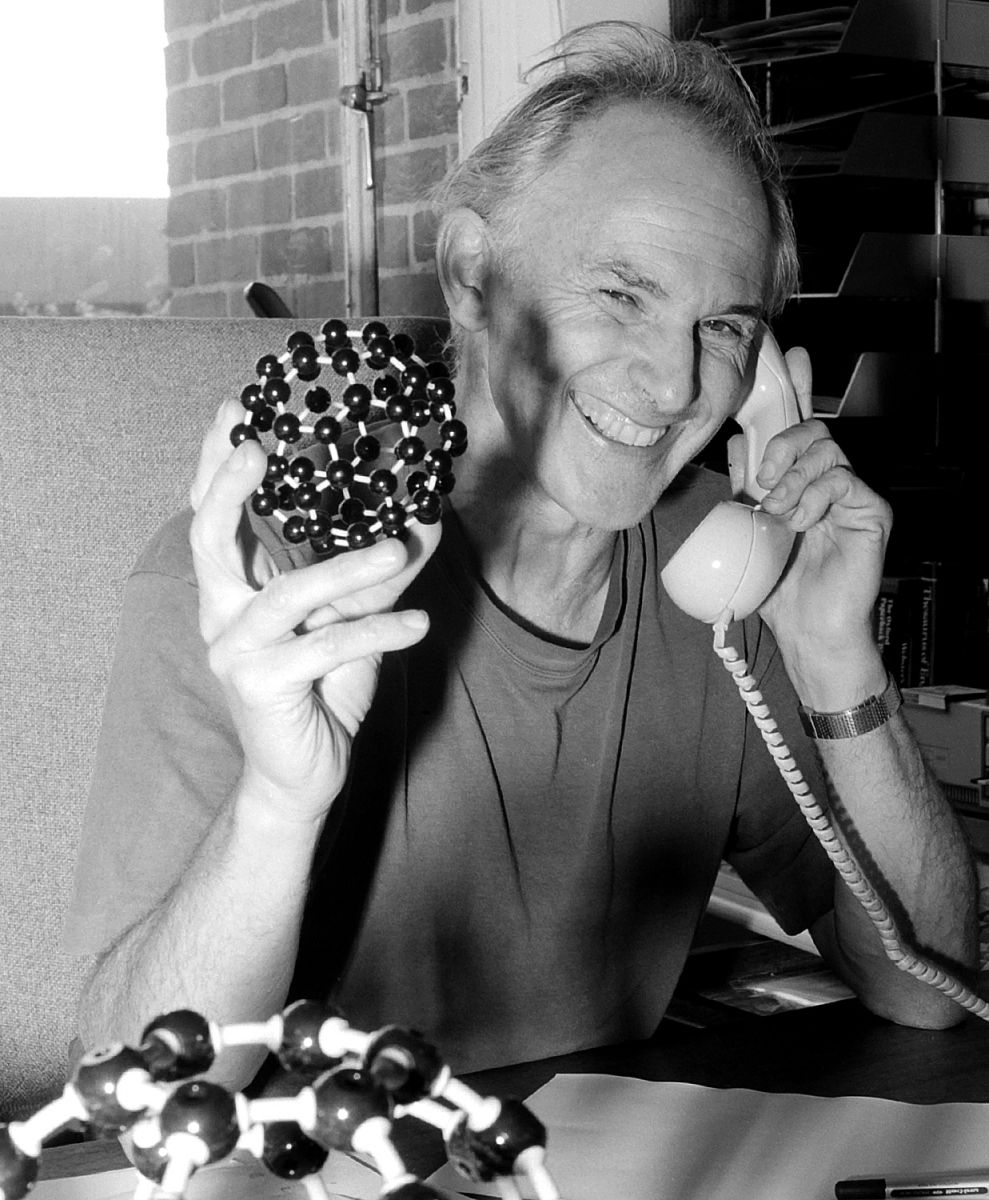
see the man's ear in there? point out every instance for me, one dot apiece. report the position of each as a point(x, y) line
point(463, 260)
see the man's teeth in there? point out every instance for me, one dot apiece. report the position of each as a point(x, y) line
point(616, 427)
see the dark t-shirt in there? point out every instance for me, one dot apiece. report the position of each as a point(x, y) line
point(530, 830)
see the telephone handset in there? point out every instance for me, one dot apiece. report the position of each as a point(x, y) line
point(733, 559)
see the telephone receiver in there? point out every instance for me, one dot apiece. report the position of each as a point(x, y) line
point(733, 559)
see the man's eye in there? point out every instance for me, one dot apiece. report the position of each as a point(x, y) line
point(723, 327)
point(621, 298)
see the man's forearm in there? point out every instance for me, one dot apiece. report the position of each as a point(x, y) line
point(222, 942)
point(894, 820)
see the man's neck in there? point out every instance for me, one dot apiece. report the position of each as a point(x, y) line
point(550, 573)
point(538, 562)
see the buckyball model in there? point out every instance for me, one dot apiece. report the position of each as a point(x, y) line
point(339, 1089)
point(372, 447)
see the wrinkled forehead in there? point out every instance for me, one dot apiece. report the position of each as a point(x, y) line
point(628, 144)
point(631, 166)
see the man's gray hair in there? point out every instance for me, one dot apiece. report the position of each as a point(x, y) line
point(611, 62)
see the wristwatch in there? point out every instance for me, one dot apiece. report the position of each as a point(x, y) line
point(851, 722)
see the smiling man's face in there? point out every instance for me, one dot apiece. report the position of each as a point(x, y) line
point(620, 319)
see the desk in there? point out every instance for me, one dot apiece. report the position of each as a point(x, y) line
point(833, 1050)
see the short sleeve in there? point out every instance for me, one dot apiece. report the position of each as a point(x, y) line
point(167, 755)
point(772, 847)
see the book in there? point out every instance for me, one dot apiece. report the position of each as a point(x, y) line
point(942, 695)
point(955, 624)
point(897, 625)
point(932, 626)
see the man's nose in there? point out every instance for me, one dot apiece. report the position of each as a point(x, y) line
point(663, 370)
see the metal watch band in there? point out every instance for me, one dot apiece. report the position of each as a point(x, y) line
point(864, 717)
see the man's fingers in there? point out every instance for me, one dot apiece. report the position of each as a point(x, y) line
point(215, 450)
point(795, 455)
point(418, 550)
point(820, 480)
point(840, 490)
point(350, 585)
point(314, 655)
point(801, 373)
point(214, 527)
point(217, 554)
point(302, 660)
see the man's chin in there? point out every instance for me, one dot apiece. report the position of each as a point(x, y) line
point(613, 514)
point(614, 499)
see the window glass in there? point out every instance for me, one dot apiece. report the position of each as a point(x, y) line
point(83, 175)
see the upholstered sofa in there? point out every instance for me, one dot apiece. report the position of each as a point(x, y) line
point(100, 421)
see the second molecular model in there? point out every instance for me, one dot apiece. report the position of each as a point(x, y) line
point(339, 1089)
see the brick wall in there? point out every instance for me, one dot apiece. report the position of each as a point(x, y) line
point(254, 125)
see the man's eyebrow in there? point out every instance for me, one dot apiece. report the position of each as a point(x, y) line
point(625, 273)
point(745, 310)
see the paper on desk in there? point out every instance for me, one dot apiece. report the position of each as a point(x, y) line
point(613, 1138)
point(240, 1177)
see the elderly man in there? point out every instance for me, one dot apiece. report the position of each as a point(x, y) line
point(485, 788)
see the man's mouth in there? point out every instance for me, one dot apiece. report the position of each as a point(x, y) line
point(615, 426)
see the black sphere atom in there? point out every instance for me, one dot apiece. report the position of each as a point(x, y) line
point(177, 1045)
point(482, 1155)
point(205, 1111)
point(299, 1049)
point(336, 449)
point(286, 1151)
point(403, 1063)
point(95, 1080)
point(414, 1189)
point(346, 1097)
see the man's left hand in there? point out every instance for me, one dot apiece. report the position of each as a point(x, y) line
point(823, 605)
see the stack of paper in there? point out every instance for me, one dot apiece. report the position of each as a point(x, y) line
point(625, 1139)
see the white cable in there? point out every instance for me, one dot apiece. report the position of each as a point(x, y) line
point(895, 949)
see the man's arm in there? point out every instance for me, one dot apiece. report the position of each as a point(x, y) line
point(904, 837)
point(911, 847)
point(887, 807)
point(297, 662)
point(223, 942)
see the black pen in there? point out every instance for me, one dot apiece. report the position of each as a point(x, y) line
point(916, 1187)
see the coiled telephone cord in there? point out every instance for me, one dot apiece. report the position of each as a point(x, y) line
point(893, 945)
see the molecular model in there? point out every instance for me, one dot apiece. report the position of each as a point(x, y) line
point(339, 1089)
point(369, 486)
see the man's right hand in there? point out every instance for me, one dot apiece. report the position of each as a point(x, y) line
point(297, 656)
